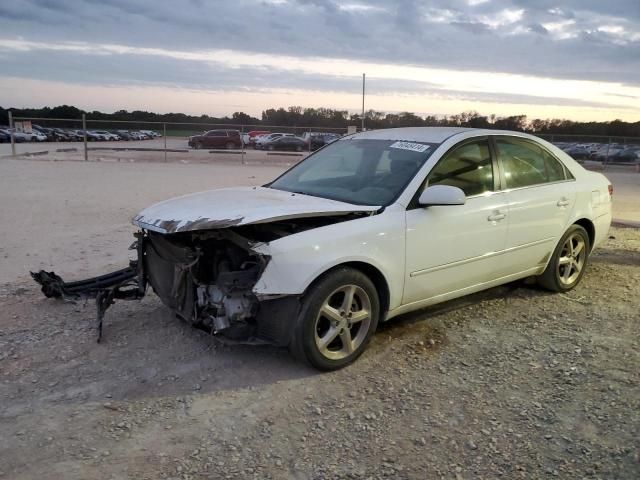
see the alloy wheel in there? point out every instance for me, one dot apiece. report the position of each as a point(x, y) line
point(343, 322)
point(572, 259)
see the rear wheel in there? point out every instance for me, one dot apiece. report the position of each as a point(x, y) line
point(298, 148)
point(339, 315)
point(230, 145)
point(568, 262)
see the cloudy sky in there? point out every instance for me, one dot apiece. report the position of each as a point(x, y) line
point(576, 59)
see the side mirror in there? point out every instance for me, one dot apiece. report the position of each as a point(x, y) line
point(441, 195)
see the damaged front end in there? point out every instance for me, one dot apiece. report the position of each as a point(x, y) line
point(199, 254)
point(205, 277)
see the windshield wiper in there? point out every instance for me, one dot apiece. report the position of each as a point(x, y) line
point(305, 193)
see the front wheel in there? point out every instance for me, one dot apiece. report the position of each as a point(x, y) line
point(568, 262)
point(230, 145)
point(339, 315)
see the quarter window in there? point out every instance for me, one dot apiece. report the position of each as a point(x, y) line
point(467, 167)
point(526, 164)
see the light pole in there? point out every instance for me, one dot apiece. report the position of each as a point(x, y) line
point(363, 83)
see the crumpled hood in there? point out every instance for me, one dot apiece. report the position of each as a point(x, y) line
point(229, 207)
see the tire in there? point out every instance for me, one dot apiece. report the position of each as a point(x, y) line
point(298, 148)
point(324, 316)
point(197, 145)
point(568, 262)
point(230, 146)
point(270, 148)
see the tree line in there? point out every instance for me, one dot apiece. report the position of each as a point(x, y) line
point(332, 118)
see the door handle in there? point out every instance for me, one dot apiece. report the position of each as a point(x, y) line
point(563, 202)
point(496, 216)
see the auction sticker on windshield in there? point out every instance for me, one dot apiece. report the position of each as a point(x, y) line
point(414, 147)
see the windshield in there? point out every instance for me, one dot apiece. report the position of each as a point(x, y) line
point(364, 172)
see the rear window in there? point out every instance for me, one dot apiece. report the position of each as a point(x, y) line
point(526, 164)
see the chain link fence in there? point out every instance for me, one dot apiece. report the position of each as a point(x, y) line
point(605, 150)
point(89, 139)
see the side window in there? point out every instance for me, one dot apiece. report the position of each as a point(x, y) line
point(467, 167)
point(527, 164)
point(217, 133)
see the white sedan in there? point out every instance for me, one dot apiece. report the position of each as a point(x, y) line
point(372, 226)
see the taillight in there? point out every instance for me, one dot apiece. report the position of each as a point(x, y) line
point(610, 190)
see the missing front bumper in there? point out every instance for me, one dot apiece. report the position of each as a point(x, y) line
point(125, 284)
point(207, 284)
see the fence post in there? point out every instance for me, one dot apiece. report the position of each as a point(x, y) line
point(309, 139)
point(164, 135)
point(242, 142)
point(13, 138)
point(84, 136)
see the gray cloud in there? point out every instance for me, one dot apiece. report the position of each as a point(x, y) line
point(441, 33)
point(136, 70)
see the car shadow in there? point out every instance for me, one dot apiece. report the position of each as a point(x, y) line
point(145, 352)
point(617, 256)
point(423, 319)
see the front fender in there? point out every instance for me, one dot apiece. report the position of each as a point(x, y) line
point(297, 260)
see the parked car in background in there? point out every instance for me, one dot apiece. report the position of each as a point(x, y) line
point(629, 154)
point(577, 152)
point(140, 135)
point(605, 152)
point(150, 133)
point(262, 140)
point(253, 135)
point(136, 135)
point(107, 135)
point(17, 136)
point(24, 137)
point(286, 142)
point(47, 132)
point(125, 135)
point(91, 136)
point(4, 137)
point(320, 140)
point(73, 136)
point(37, 136)
point(216, 139)
point(53, 135)
point(590, 147)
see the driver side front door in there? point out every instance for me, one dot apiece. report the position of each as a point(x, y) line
point(452, 250)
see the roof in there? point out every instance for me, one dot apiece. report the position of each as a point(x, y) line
point(426, 134)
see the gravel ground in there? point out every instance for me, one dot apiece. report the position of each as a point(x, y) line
point(513, 382)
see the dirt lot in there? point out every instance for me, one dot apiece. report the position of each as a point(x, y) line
point(512, 383)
